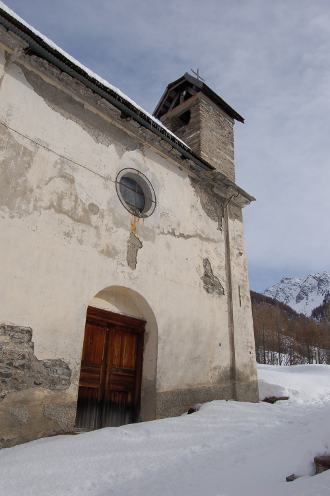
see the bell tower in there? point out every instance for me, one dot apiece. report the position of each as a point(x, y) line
point(202, 119)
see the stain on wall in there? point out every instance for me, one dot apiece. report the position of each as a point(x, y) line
point(134, 244)
point(57, 192)
point(33, 413)
point(176, 402)
point(60, 195)
point(70, 108)
point(61, 414)
point(211, 283)
point(171, 232)
point(16, 161)
point(19, 367)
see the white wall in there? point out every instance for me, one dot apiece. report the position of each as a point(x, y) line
point(64, 233)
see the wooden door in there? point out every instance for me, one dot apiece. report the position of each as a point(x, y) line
point(111, 367)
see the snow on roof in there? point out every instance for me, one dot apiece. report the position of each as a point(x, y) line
point(88, 72)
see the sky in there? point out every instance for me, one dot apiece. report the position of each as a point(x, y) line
point(270, 60)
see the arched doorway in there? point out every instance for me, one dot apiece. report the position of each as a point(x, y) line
point(118, 361)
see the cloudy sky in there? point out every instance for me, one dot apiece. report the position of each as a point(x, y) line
point(270, 59)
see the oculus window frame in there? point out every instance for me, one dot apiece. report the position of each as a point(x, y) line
point(135, 192)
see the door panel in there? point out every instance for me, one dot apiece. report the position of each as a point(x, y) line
point(129, 348)
point(124, 348)
point(111, 367)
point(121, 377)
point(87, 417)
point(90, 384)
point(94, 344)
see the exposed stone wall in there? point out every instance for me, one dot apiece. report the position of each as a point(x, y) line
point(22, 377)
point(212, 205)
point(20, 368)
point(133, 246)
point(209, 132)
point(217, 137)
point(211, 282)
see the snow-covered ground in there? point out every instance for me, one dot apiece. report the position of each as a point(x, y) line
point(225, 449)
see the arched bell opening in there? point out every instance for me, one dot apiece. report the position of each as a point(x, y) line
point(117, 382)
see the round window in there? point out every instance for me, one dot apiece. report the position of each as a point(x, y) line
point(136, 192)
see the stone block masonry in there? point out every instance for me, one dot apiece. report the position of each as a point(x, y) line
point(209, 132)
point(20, 368)
point(26, 384)
point(217, 137)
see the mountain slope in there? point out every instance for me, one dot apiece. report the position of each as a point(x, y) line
point(284, 337)
point(275, 325)
point(302, 294)
point(322, 313)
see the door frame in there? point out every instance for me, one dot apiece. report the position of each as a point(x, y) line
point(108, 319)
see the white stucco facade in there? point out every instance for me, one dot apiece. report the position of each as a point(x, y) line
point(64, 242)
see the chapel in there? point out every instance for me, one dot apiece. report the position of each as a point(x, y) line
point(125, 293)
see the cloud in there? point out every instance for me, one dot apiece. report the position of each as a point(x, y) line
point(270, 60)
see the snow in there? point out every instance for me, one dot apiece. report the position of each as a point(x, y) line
point(304, 384)
point(90, 73)
point(301, 294)
point(225, 449)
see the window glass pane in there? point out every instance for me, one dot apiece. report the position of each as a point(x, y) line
point(132, 193)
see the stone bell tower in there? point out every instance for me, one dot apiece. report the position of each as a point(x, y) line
point(202, 119)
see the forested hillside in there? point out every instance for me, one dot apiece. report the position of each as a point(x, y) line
point(285, 337)
point(322, 313)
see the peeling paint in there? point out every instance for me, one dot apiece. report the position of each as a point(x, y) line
point(101, 131)
point(93, 208)
point(235, 212)
point(4, 66)
point(210, 203)
point(60, 194)
point(133, 246)
point(109, 251)
point(10, 58)
point(211, 283)
point(172, 232)
point(16, 162)
point(21, 197)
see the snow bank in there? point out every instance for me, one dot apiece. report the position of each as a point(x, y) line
point(227, 448)
point(302, 383)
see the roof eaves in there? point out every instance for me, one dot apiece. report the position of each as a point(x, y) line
point(73, 68)
point(206, 90)
point(47, 49)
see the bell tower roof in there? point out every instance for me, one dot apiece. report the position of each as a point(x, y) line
point(184, 88)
